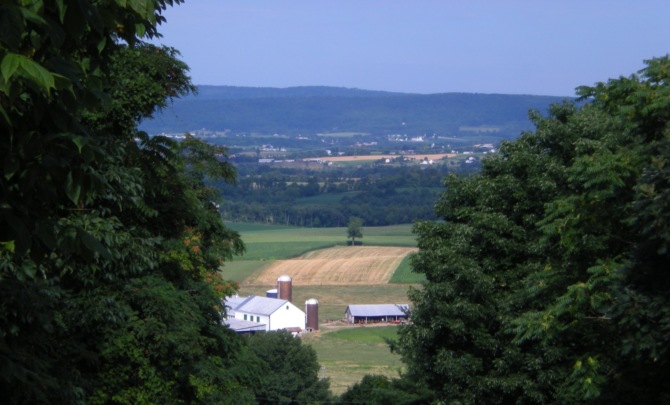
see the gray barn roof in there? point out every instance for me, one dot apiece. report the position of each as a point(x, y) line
point(255, 304)
point(239, 325)
point(378, 310)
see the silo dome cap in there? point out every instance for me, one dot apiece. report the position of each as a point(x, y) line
point(284, 278)
point(311, 301)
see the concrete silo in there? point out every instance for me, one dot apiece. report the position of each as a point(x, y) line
point(284, 288)
point(312, 315)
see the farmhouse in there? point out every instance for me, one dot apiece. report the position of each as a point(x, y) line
point(376, 313)
point(263, 314)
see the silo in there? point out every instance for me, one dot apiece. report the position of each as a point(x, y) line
point(312, 314)
point(284, 288)
point(271, 293)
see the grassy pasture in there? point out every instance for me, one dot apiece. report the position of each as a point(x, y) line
point(350, 353)
point(240, 270)
point(404, 275)
point(272, 242)
point(370, 335)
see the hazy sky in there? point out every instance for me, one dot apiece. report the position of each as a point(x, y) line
point(542, 47)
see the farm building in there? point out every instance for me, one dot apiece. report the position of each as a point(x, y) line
point(263, 313)
point(242, 326)
point(376, 313)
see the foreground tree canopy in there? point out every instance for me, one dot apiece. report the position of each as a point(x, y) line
point(110, 241)
point(548, 279)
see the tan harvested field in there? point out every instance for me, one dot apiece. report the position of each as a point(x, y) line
point(342, 265)
point(435, 156)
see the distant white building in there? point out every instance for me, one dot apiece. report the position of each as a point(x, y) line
point(256, 313)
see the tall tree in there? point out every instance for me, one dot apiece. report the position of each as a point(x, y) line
point(546, 282)
point(354, 229)
point(110, 243)
point(288, 369)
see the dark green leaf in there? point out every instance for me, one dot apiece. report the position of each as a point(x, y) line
point(73, 188)
point(10, 63)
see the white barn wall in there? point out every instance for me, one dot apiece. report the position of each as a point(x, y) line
point(287, 318)
point(263, 319)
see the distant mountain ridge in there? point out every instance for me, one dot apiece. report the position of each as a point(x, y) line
point(208, 92)
point(321, 109)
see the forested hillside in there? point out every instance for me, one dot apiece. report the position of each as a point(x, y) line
point(312, 110)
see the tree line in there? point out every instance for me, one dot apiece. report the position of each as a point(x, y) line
point(380, 195)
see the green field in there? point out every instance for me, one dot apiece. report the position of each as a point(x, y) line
point(348, 354)
point(404, 274)
point(273, 242)
point(369, 335)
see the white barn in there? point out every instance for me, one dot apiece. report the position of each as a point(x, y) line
point(271, 313)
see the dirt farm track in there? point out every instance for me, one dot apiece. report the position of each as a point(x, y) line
point(344, 265)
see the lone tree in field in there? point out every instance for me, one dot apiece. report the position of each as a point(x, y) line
point(354, 229)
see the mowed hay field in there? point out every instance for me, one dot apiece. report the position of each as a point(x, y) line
point(341, 265)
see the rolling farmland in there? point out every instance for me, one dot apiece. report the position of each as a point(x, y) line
point(337, 276)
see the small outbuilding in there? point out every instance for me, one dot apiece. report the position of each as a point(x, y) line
point(375, 313)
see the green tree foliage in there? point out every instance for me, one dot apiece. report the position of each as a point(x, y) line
point(288, 370)
point(110, 241)
point(354, 229)
point(381, 390)
point(379, 195)
point(547, 280)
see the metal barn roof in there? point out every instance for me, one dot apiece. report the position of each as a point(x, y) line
point(255, 304)
point(374, 310)
point(239, 325)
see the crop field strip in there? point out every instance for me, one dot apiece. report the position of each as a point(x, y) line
point(359, 265)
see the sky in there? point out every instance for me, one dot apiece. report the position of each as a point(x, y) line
point(538, 47)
